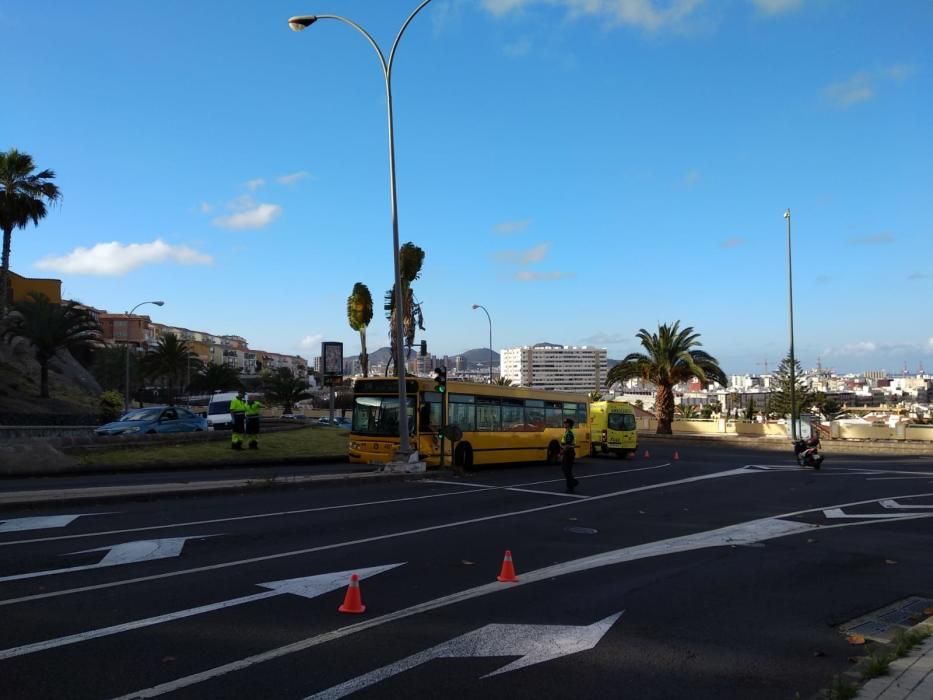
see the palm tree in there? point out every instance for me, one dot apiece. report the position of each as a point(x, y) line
point(595, 396)
point(169, 361)
point(359, 314)
point(687, 411)
point(23, 198)
point(212, 378)
point(49, 327)
point(503, 381)
point(283, 388)
point(411, 258)
point(668, 360)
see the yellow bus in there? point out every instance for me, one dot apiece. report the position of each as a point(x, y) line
point(499, 424)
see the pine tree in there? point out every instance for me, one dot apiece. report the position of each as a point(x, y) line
point(780, 399)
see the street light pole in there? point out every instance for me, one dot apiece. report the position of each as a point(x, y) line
point(790, 307)
point(126, 362)
point(480, 306)
point(303, 22)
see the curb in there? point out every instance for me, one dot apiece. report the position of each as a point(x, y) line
point(29, 499)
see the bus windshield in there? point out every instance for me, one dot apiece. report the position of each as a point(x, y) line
point(378, 415)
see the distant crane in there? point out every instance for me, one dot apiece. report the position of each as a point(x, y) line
point(765, 364)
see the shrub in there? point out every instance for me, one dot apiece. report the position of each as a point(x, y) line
point(109, 406)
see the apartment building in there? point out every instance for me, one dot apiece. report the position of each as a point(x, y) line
point(555, 367)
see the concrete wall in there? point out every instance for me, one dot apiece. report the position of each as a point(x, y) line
point(838, 431)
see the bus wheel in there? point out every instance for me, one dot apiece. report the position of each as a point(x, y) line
point(593, 450)
point(553, 453)
point(463, 456)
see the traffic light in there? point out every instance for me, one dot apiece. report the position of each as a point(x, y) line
point(424, 348)
point(440, 380)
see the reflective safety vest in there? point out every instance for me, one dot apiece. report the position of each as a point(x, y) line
point(252, 408)
point(237, 405)
point(568, 439)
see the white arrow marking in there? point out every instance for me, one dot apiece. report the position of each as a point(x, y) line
point(535, 644)
point(840, 513)
point(41, 522)
point(307, 587)
point(126, 553)
point(895, 504)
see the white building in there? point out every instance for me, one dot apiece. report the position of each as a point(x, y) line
point(555, 367)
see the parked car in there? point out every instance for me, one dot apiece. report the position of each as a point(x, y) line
point(337, 423)
point(155, 419)
point(293, 416)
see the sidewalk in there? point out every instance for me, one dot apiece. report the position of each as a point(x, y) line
point(78, 494)
point(909, 678)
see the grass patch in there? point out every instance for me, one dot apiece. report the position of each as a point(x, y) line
point(905, 640)
point(841, 689)
point(309, 442)
point(877, 664)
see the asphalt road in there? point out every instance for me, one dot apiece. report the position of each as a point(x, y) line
point(724, 574)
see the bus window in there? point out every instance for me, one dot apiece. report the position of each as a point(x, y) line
point(429, 420)
point(460, 412)
point(513, 415)
point(534, 415)
point(378, 415)
point(488, 418)
point(554, 414)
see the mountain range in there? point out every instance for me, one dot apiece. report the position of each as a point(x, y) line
point(474, 358)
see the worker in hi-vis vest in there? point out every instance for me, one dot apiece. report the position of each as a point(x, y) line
point(252, 422)
point(238, 413)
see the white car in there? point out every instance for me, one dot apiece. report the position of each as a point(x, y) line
point(218, 410)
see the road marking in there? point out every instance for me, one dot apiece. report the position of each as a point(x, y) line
point(545, 481)
point(891, 503)
point(119, 554)
point(306, 587)
point(535, 644)
point(376, 538)
point(839, 513)
point(41, 522)
point(742, 533)
point(237, 518)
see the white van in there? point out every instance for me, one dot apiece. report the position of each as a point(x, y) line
point(218, 410)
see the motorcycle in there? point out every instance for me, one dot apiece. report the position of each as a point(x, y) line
point(807, 452)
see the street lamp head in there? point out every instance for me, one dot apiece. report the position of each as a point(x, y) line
point(787, 213)
point(159, 303)
point(475, 307)
point(301, 22)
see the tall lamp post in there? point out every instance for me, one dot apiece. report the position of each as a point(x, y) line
point(129, 313)
point(793, 363)
point(303, 22)
point(480, 306)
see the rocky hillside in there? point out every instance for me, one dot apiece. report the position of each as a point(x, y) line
point(73, 390)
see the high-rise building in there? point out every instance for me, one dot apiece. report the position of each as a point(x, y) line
point(556, 367)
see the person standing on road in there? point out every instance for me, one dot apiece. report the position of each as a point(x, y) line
point(252, 422)
point(238, 413)
point(567, 455)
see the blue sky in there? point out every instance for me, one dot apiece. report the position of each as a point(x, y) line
point(583, 169)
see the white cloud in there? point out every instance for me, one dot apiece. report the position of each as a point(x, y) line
point(732, 242)
point(528, 276)
point(509, 227)
point(523, 257)
point(863, 86)
point(774, 7)
point(647, 14)
point(255, 184)
point(310, 342)
point(116, 259)
point(248, 214)
point(607, 339)
point(856, 89)
point(292, 178)
point(206, 207)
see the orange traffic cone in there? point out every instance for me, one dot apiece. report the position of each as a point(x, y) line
point(352, 602)
point(630, 455)
point(507, 575)
point(676, 455)
point(647, 455)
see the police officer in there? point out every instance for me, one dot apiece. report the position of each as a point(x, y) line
point(252, 422)
point(238, 413)
point(567, 455)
